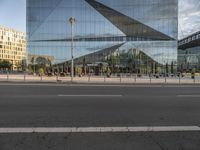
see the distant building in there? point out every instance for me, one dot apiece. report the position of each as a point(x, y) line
point(37, 62)
point(13, 47)
point(32, 59)
point(189, 53)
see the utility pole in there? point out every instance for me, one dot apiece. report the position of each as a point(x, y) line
point(72, 22)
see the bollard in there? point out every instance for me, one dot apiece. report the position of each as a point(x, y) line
point(7, 76)
point(150, 79)
point(131, 77)
point(89, 78)
point(135, 78)
point(24, 77)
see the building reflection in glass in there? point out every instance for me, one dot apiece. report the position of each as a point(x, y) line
point(137, 36)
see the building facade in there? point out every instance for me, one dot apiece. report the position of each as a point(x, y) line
point(13, 47)
point(137, 36)
point(189, 53)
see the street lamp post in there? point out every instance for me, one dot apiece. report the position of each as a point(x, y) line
point(72, 22)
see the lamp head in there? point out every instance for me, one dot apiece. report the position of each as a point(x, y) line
point(72, 20)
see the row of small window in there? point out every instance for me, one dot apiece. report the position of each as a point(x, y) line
point(13, 41)
point(12, 52)
point(10, 57)
point(14, 44)
point(11, 34)
point(12, 48)
point(19, 40)
point(8, 54)
point(195, 37)
point(8, 50)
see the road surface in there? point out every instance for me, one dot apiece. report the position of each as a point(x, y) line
point(47, 106)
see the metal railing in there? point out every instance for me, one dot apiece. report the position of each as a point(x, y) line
point(116, 78)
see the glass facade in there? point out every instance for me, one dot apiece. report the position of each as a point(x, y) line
point(138, 35)
point(189, 59)
point(189, 53)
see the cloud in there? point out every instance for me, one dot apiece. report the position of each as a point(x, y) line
point(189, 17)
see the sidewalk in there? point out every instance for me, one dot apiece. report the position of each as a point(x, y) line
point(99, 80)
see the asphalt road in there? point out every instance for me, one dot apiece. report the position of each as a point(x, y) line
point(52, 105)
point(99, 106)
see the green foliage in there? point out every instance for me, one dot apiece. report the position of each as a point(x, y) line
point(24, 65)
point(42, 62)
point(4, 64)
point(78, 70)
point(193, 71)
point(102, 67)
point(30, 69)
point(32, 60)
point(113, 59)
point(41, 72)
point(108, 71)
point(40, 65)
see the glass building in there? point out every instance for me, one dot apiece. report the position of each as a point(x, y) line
point(137, 36)
point(189, 53)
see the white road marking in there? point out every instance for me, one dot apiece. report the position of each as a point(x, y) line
point(99, 129)
point(188, 95)
point(90, 95)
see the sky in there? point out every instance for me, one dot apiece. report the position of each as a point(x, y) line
point(189, 17)
point(13, 15)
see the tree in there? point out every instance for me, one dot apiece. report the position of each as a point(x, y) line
point(24, 65)
point(130, 60)
point(31, 67)
point(172, 67)
point(50, 65)
point(78, 71)
point(84, 65)
point(32, 60)
point(156, 67)
point(41, 71)
point(5, 64)
point(113, 60)
point(167, 68)
point(193, 73)
point(42, 62)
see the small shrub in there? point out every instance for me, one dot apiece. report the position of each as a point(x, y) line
point(41, 72)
